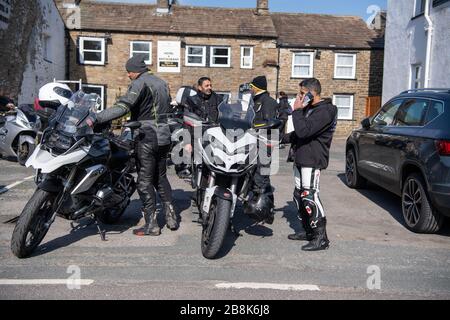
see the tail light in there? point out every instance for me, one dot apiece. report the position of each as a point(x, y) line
point(443, 147)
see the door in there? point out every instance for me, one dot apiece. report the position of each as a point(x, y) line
point(402, 140)
point(370, 162)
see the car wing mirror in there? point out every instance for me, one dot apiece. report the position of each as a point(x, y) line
point(366, 123)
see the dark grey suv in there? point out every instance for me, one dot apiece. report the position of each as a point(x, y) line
point(405, 148)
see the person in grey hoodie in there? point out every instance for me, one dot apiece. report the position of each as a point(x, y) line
point(148, 101)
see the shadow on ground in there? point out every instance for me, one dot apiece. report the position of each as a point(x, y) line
point(389, 202)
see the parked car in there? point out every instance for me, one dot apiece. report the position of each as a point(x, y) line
point(405, 148)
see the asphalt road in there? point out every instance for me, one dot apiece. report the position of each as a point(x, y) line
point(368, 243)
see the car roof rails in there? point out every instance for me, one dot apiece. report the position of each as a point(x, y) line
point(443, 90)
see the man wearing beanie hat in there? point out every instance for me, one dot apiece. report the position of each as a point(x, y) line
point(265, 109)
point(148, 100)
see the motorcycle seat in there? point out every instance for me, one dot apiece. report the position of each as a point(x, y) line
point(121, 145)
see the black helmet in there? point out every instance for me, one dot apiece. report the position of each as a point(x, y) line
point(260, 207)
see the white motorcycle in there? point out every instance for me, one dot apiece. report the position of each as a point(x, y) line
point(225, 160)
point(79, 173)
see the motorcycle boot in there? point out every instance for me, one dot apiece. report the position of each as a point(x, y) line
point(307, 233)
point(320, 239)
point(151, 227)
point(171, 217)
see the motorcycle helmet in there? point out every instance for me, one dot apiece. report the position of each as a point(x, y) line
point(183, 94)
point(54, 94)
point(260, 208)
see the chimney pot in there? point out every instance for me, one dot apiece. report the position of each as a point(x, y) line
point(262, 7)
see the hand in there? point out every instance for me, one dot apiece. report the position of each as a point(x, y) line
point(298, 103)
point(91, 121)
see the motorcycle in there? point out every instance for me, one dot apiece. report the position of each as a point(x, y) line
point(228, 153)
point(79, 173)
point(18, 131)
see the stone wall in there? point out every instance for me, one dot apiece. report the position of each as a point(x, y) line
point(114, 77)
point(368, 80)
point(32, 49)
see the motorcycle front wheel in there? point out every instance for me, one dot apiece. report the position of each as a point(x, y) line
point(30, 229)
point(24, 151)
point(215, 230)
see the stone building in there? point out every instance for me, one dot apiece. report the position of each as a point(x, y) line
point(231, 46)
point(32, 50)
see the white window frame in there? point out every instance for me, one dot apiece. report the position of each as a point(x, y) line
point(242, 57)
point(212, 56)
point(353, 76)
point(82, 50)
point(310, 65)
point(150, 52)
point(203, 64)
point(102, 95)
point(352, 105)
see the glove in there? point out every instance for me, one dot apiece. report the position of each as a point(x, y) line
point(91, 120)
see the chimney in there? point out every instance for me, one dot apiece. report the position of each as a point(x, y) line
point(262, 7)
point(162, 6)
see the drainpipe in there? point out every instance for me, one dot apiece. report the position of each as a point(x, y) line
point(430, 29)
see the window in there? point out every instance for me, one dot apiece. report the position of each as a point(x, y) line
point(387, 113)
point(98, 89)
point(246, 57)
point(345, 66)
point(92, 51)
point(416, 77)
point(196, 56)
point(344, 103)
point(419, 7)
point(303, 65)
point(46, 47)
point(412, 112)
point(142, 48)
point(435, 110)
point(220, 57)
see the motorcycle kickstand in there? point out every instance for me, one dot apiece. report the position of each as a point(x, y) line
point(100, 230)
point(233, 229)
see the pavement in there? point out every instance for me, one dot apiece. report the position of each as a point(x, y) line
point(372, 254)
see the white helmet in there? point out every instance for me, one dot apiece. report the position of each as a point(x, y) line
point(54, 94)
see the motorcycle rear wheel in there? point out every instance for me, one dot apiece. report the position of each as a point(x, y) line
point(30, 230)
point(216, 228)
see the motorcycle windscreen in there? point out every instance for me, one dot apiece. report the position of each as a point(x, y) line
point(71, 118)
point(238, 115)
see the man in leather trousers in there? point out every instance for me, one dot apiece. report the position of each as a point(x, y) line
point(148, 100)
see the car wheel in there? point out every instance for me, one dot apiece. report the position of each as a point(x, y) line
point(352, 177)
point(418, 212)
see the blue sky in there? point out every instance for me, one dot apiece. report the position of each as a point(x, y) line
point(339, 7)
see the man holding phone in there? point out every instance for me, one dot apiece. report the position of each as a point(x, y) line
point(314, 122)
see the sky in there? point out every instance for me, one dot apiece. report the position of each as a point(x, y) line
point(338, 7)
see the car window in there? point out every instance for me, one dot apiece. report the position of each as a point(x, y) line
point(435, 110)
point(386, 115)
point(412, 112)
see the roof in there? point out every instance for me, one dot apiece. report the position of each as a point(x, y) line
point(324, 31)
point(182, 20)
point(296, 30)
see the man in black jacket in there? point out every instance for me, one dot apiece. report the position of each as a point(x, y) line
point(205, 104)
point(148, 100)
point(314, 122)
point(265, 109)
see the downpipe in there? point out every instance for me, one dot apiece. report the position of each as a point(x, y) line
point(429, 29)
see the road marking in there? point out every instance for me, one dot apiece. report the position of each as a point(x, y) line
point(271, 286)
point(15, 184)
point(33, 282)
